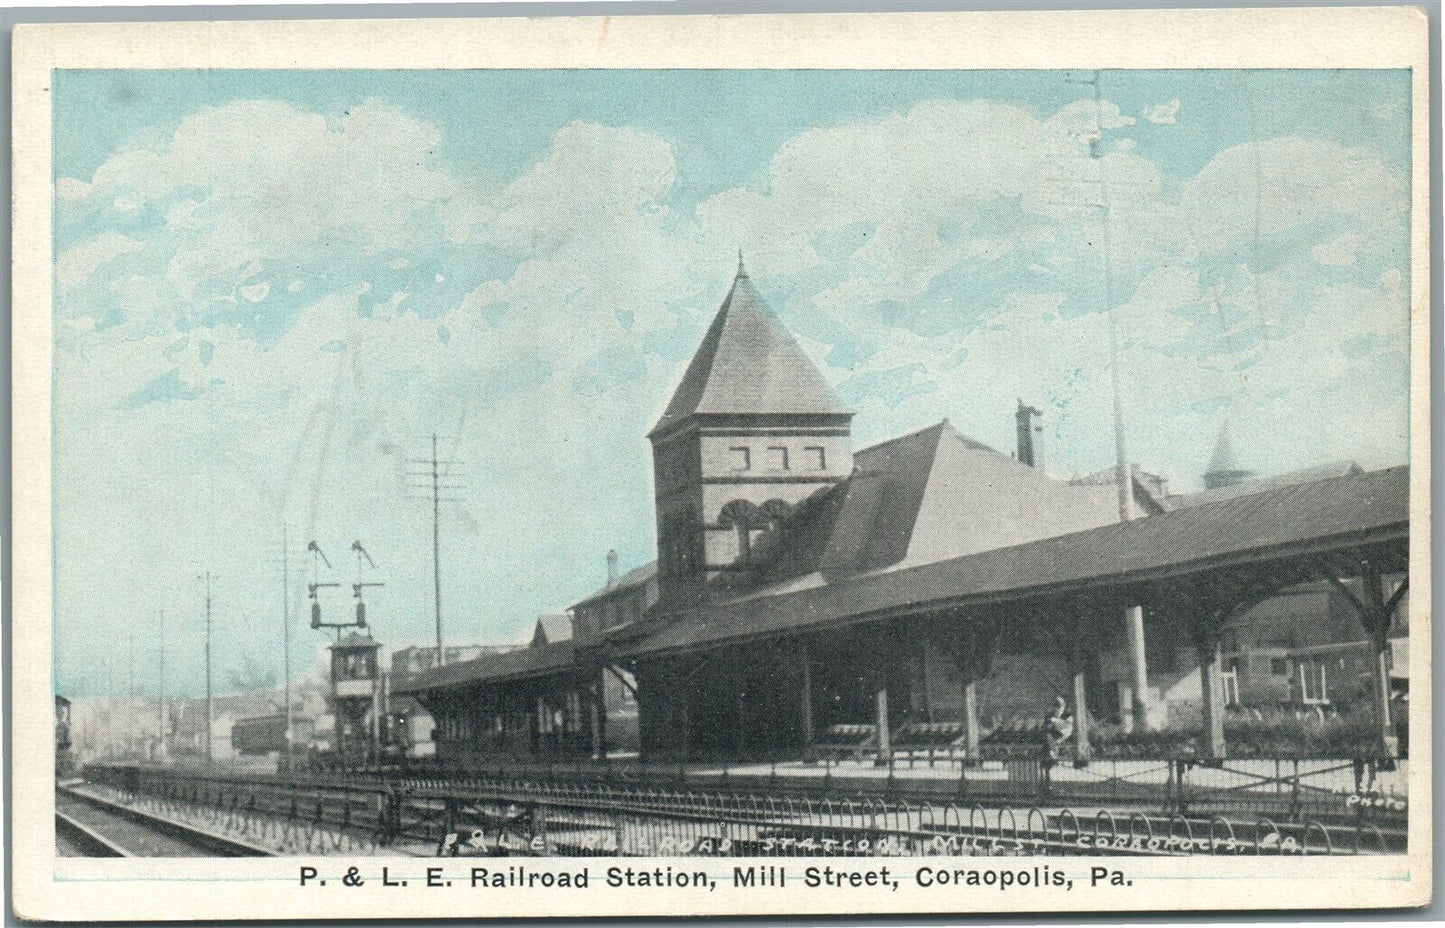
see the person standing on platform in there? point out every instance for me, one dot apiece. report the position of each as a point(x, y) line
point(1058, 728)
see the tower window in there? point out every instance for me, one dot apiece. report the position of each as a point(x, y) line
point(815, 458)
point(741, 458)
point(777, 458)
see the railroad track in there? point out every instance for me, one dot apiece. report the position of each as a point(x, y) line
point(89, 826)
point(72, 839)
point(422, 808)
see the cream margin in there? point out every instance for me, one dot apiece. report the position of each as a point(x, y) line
point(1335, 37)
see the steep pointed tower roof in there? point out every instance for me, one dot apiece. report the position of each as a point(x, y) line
point(1224, 469)
point(749, 363)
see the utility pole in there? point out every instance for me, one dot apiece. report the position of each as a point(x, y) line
point(436, 470)
point(130, 720)
point(161, 690)
point(286, 641)
point(436, 547)
point(111, 702)
point(210, 713)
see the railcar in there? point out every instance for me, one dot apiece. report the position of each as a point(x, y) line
point(64, 755)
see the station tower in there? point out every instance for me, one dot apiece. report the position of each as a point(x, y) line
point(752, 429)
point(355, 691)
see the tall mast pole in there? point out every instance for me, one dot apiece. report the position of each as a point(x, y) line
point(210, 714)
point(436, 555)
point(1124, 479)
point(1121, 454)
point(286, 640)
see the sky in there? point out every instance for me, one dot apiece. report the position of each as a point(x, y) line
point(272, 288)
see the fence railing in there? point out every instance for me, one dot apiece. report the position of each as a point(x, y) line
point(1281, 788)
point(483, 815)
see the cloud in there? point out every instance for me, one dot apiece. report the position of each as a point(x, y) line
point(296, 303)
point(911, 171)
point(76, 264)
point(366, 180)
point(69, 188)
point(593, 179)
point(1339, 251)
point(1291, 187)
point(989, 278)
point(1162, 113)
point(256, 292)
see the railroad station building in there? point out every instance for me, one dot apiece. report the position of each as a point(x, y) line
point(926, 592)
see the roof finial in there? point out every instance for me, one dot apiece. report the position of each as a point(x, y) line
point(742, 271)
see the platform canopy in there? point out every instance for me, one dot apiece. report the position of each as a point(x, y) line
point(523, 663)
point(1283, 535)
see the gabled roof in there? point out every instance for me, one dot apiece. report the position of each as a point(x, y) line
point(551, 629)
point(922, 497)
point(635, 577)
point(749, 363)
point(863, 523)
point(1261, 484)
point(490, 668)
point(1150, 490)
point(1366, 508)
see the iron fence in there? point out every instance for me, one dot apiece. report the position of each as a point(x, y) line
point(485, 815)
point(1341, 790)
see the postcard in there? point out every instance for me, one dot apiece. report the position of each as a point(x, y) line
point(757, 464)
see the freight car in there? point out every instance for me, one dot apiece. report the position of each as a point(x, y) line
point(266, 734)
point(64, 756)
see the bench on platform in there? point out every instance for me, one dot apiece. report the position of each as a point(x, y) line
point(1018, 738)
point(842, 740)
point(933, 739)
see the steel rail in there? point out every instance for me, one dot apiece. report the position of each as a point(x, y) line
point(88, 840)
point(209, 843)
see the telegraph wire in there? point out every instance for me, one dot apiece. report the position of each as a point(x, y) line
point(435, 470)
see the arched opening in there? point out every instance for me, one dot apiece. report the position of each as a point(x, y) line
point(742, 517)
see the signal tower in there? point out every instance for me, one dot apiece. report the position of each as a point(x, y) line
point(356, 679)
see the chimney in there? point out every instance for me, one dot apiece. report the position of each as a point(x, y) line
point(1030, 435)
point(611, 568)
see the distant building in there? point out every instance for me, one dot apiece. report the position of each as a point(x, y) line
point(624, 600)
point(1224, 469)
point(1302, 648)
point(551, 629)
point(407, 662)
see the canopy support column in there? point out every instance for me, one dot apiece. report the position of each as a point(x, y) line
point(684, 716)
point(1078, 662)
point(1138, 668)
point(597, 709)
point(1382, 612)
point(1376, 614)
point(885, 741)
point(971, 739)
point(1205, 609)
point(1211, 687)
point(805, 698)
point(971, 643)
